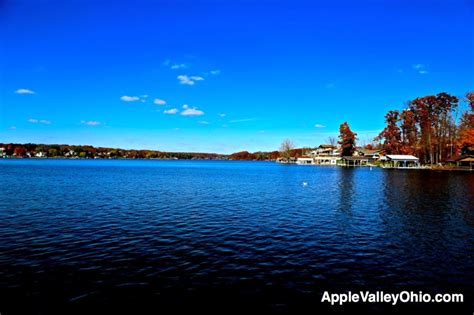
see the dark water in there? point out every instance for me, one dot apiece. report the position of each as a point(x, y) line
point(77, 236)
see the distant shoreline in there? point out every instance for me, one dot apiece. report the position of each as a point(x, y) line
point(423, 168)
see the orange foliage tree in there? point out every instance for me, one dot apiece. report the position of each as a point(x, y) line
point(466, 127)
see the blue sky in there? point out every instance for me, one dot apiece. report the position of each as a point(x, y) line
point(222, 76)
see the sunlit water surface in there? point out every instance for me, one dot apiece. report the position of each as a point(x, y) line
point(184, 234)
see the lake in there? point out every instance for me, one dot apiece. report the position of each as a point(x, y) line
point(77, 235)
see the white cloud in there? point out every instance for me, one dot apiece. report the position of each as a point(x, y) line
point(189, 80)
point(196, 78)
point(184, 79)
point(178, 66)
point(192, 112)
point(319, 126)
point(158, 101)
point(174, 65)
point(24, 91)
point(39, 121)
point(222, 115)
point(171, 111)
point(421, 68)
point(185, 106)
point(127, 98)
point(91, 123)
point(203, 122)
point(215, 72)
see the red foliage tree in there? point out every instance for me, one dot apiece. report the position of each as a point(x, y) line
point(391, 134)
point(243, 155)
point(409, 132)
point(347, 139)
point(19, 150)
point(426, 128)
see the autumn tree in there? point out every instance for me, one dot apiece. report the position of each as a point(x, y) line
point(433, 114)
point(286, 148)
point(242, 155)
point(409, 132)
point(466, 127)
point(19, 151)
point(347, 139)
point(391, 134)
point(423, 107)
point(426, 128)
point(444, 126)
point(274, 155)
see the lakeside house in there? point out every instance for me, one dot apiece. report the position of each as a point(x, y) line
point(325, 154)
point(325, 150)
point(371, 155)
point(41, 154)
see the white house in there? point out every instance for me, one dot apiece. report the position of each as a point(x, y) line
point(325, 154)
point(369, 154)
point(69, 153)
point(325, 150)
point(40, 154)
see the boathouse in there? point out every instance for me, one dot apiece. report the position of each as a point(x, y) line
point(400, 161)
point(354, 161)
point(304, 160)
point(465, 161)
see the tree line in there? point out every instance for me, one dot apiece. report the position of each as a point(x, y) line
point(88, 151)
point(429, 128)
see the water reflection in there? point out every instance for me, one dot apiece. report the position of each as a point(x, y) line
point(345, 184)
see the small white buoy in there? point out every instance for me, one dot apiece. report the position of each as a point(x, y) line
point(305, 184)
